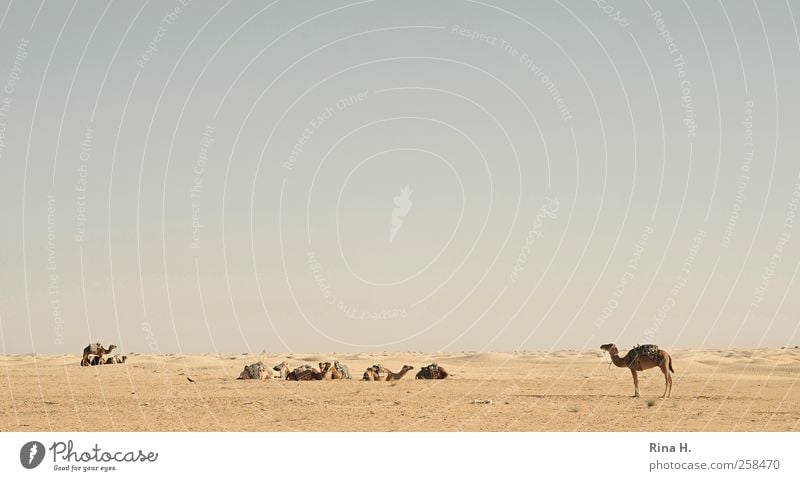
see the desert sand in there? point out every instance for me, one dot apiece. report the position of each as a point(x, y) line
point(714, 390)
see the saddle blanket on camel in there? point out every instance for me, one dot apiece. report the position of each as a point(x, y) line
point(255, 370)
point(431, 371)
point(647, 350)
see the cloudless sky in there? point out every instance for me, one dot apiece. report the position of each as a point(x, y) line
point(398, 176)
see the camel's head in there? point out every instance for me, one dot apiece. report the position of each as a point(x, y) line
point(112, 346)
point(407, 367)
point(280, 366)
point(608, 347)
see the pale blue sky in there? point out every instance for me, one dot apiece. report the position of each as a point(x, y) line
point(543, 155)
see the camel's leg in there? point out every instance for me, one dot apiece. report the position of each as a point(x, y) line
point(669, 381)
point(669, 378)
point(635, 382)
point(665, 369)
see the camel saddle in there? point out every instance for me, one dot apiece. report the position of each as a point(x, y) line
point(433, 369)
point(304, 369)
point(647, 350)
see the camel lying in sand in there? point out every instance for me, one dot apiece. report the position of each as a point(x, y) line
point(432, 371)
point(95, 349)
point(308, 373)
point(379, 373)
point(116, 359)
point(292, 375)
point(253, 371)
point(640, 358)
point(336, 371)
point(340, 371)
point(283, 370)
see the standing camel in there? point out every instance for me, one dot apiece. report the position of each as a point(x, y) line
point(95, 349)
point(641, 358)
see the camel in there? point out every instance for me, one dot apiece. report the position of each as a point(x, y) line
point(432, 371)
point(379, 373)
point(370, 375)
point(116, 359)
point(283, 370)
point(308, 373)
point(95, 349)
point(253, 371)
point(294, 373)
point(327, 373)
point(640, 358)
point(340, 371)
point(374, 373)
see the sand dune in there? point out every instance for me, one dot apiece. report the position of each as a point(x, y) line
point(714, 390)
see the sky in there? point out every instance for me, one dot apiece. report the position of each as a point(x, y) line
point(398, 176)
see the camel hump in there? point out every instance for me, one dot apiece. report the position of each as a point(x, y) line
point(649, 350)
point(431, 371)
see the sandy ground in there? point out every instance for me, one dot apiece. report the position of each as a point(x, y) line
point(731, 390)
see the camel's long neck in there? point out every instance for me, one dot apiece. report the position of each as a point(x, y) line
point(401, 374)
point(618, 361)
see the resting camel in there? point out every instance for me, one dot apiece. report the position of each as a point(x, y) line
point(378, 373)
point(253, 371)
point(293, 374)
point(95, 349)
point(116, 359)
point(340, 371)
point(641, 358)
point(328, 372)
point(283, 370)
point(308, 373)
point(433, 371)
